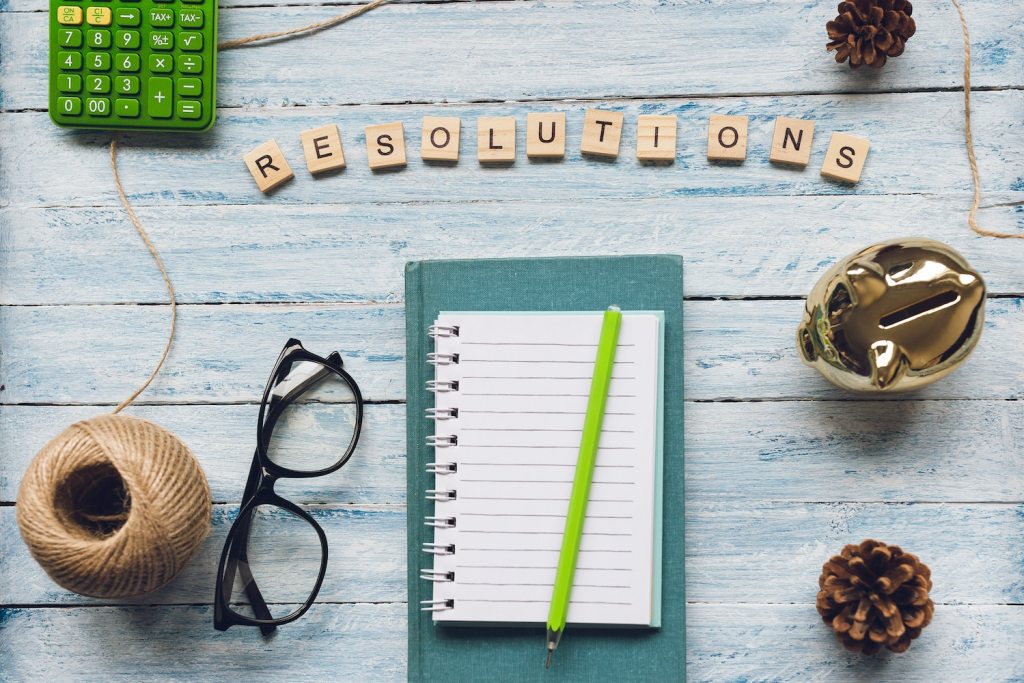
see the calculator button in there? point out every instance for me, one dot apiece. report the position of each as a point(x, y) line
point(128, 16)
point(190, 18)
point(161, 18)
point(97, 106)
point(189, 109)
point(69, 15)
point(72, 106)
point(69, 37)
point(99, 16)
point(161, 40)
point(70, 60)
point(161, 64)
point(69, 83)
point(127, 85)
point(159, 101)
point(129, 40)
point(191, 41)
point(126, 108)
point(189, 87)
point(97, 84)
point(190, 64)
point(192, 2)
point(127, 61)
point(98, 38)
point(98, 61)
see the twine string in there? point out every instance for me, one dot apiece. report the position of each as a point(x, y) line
point(307, 29)
point(972, 216)
point(133, 217)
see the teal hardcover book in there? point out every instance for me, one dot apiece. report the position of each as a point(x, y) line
point(453, 651)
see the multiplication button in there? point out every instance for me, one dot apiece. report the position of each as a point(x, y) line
point(161, 64)
point(159, 102)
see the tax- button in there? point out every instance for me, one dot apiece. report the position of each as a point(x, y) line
point(159, 102)
point(190, 87)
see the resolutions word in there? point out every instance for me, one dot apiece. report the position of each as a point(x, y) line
point(545, 139)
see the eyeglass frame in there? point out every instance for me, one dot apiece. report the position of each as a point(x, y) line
point(259, 489)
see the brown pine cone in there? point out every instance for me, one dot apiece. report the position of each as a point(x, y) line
point(870, 31)
point(875, 595)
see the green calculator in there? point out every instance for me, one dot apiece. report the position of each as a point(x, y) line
point(133, 64)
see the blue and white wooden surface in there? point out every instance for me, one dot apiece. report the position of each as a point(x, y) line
point(782, 470)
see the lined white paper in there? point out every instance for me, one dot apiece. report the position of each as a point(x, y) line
point(523, 382)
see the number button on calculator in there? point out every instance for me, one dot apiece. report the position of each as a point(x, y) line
point(133, 64)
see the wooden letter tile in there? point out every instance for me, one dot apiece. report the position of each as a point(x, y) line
point(322, 147)
point(845, 157)
point(268, 166)
point(791, 143)
point(440, 141)
point(545, 135)
point(656, 138)
point(385, 145)
point(602, 131)
point(727, 138)
point(496, 139)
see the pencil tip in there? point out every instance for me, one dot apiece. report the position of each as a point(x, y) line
point(547, 664)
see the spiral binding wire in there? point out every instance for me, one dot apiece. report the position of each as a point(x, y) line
point(439, 548)
point(435, 331)
point(437, 575)
point(441, 468)
point(437, 605)
point(442, 413)
point(442, 386)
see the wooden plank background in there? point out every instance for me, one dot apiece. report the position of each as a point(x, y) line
point(782, 470)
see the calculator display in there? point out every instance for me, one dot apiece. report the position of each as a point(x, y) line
point(133, 64)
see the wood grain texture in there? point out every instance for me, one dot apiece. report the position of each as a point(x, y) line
point(725, 643)
point(561, 50)
point(796, 451)
point(734, 350)
point(207, 168)
point(782, 470)
point(727, 545)
point(732, 246)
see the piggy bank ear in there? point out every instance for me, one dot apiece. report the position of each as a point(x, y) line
point(888, 363)
point(805, 343)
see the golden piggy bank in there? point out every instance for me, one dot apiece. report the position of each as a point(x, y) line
point(893, 317)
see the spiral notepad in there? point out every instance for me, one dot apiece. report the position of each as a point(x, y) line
point(510, 397)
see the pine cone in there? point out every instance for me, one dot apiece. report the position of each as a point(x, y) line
point(870, 31)
point(875, 595)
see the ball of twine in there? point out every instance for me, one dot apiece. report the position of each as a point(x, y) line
point(114, 506)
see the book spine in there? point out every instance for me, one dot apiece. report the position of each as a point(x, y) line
point(444, 441)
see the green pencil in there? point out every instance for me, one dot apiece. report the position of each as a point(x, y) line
point(584, 475)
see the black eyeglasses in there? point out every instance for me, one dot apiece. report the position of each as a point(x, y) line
point(273, 539)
